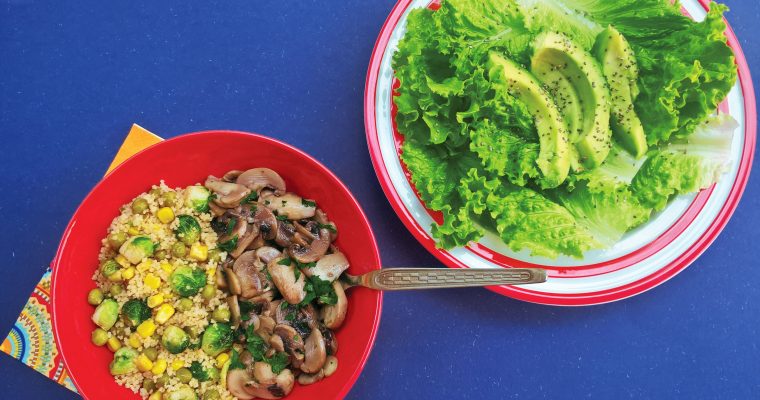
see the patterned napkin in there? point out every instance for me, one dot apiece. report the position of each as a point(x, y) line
point(31, 338)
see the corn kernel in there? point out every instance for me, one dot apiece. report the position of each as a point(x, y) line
point(164, 312)
point(167, 267)
point(128, 273)
point(147, 328)
point(144, 266)
point(143, 363)
point(177, 364)
point(155, 396)
point(133, 231)
point(155, 300)
point(122, 261)
point(117, 276)
point(152, 281)
point(211, 272)
point(165, 215)
point(198, 252)
point(221, 359)
point(134, 341)
point(113, 344)
point(159, 367)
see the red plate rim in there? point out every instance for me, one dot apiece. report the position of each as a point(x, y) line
point(375, 324)
point(575, 299)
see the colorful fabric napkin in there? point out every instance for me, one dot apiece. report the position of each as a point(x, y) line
point(31, 339)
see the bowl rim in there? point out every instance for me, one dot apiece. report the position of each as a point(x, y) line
point(125, 164)
point(562, 299)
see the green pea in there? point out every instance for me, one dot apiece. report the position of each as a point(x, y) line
point(192, 332)
point(149, 385)
point(213, 254)
point(99, 337)
point(179, 250)
point(184, 375)
point(116, 239)
point(139, 205)
point(116, 290)
point(95, 297)
point(151, 353)
point(155, 192)
point(208, 292)
point(162, 380)
point(160, 255)
point(221, 315)
point(185, 304)
point(212, 394)
point(168, 198)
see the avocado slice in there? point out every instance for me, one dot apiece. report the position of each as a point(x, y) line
point(619, 66)
point(575, 81)
point(554, 155)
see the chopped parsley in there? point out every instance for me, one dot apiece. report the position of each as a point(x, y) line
point(319, 289)
point(230, 225)
point(229, 245)
point(284, 261)
point(251, 198)
point(308, 203)
point(278, 362)
point(235, 361)
point(282, 217)
point(329, 227)
point(255, 344)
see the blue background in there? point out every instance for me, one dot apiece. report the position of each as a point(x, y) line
point(74, 75)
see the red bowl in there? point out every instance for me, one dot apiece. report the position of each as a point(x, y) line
point(183, 161)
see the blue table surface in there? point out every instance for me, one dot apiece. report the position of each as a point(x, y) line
point(75, 75)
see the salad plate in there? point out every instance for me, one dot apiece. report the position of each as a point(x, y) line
point(645, 257)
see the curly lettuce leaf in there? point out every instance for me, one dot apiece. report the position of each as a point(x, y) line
point(525, 219)
point(686, 165)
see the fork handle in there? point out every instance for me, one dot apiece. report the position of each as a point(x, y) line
point(436, 278)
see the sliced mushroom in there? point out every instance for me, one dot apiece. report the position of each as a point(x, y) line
point(305, 231)
point(231, 176)
point(221, 282)
point(248, 268)
point(266, 324)
point(315, 352)
point(257, 179)
point(266, 221)
point(265, 298)
point(228, 195)
point(285, 233)
point(276, 342)
point(321, 218)
point(257, 242)
point(290, 206)
point(292, 342)
point(334, 315)
point(331, 364)
point(331, 342)
point(215, 209)
point(236, 384)
point(245, 240)
point(232, 302)
point(267, 254)
point(284, 277)
point(312, 252)
point(329, 267)
point(302, 319)
point(233, 282)
point(281, 388)
point(308, 379)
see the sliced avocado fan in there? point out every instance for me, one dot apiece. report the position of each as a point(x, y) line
point(554, 155)
point(575, 81)
point(620, 69)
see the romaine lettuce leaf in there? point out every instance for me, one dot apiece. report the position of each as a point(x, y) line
point(686, 165)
